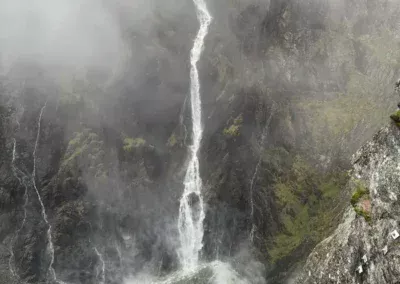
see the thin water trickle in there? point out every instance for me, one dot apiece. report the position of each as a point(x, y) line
point(252, 182)
point(101, 273)
point(191, 209)
point(22, 181)
point(50, 247)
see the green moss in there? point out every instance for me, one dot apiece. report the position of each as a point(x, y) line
point(76, 140)
point(172, 141)
point(284, 194)
point(85, 143)
point(363, 213)
point(234, 129)
point(277, 159)
point(132, 143)
point(361, 191)
point(307, 201)
point(396, 117)
point(296, 230)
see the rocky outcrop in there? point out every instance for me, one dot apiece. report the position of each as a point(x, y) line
point(362, 250)
point(279, 82)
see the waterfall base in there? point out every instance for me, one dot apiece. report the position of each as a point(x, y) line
point(216, 272)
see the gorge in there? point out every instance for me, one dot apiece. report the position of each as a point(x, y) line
point(193, 142)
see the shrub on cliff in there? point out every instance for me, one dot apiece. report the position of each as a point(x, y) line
point(361, 202)
point(234, 129)
point(132, 143)
point(396, 117)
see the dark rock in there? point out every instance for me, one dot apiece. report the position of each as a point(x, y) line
point(193, 199)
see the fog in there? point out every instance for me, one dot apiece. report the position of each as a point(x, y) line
point(59, 33)
point(79, 34)
point(118, 72)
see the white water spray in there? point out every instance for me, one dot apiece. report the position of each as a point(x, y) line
point(263, 137)
point(101, 272)
point(191, 209)
point(50, 246)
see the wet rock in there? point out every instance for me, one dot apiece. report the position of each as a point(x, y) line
point(338, 257)
point(193, 199)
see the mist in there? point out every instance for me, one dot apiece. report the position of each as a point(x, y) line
point(60, 33)
point(284, 93)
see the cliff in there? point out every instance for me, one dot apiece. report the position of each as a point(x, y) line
point(289, 90)
point(365, 246)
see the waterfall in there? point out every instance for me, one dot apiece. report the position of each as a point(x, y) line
point(253, 179)
point(50, 247)
point(101, 272)
point(21, 180)
point(191, 209)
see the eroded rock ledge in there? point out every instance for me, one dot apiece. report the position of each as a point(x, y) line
point(372, 246)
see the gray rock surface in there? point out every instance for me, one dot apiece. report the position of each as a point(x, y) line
point(337, 258)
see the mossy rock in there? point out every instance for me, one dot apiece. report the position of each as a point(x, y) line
point(307, 202)
point(361, 191)
point(363, 213)
point(172, 141)
point(85, 143)
point(234, 129)
point(396, 117)
point(133, 143)
point(359, 199)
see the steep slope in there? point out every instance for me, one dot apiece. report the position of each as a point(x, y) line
point(367, 226)
point(280, 81)
point(314, 61)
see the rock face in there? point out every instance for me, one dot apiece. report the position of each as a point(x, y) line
point(279, 84)
point(372, 246)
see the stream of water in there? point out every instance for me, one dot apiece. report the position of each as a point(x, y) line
point(253, 179)
point(191, 209)
point(50, 246)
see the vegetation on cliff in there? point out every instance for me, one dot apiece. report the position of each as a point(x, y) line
point(234, 129)
point(308, 201)
point(396, 117)
point(360, 201)
point(86, 148)
point(133, 143)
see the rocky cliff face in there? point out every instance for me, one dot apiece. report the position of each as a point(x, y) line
point(365, 246)
point(279, 82)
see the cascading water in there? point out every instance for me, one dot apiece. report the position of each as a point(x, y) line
point(253, 179)
point(22, 181)
point(101, 274)
point(50, 247)
point(191, 209)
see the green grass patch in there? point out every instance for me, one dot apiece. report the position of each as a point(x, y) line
point(234, 129)
point(361, 191)
point(361, 194)
point(363, 213)
point(307, 202)
point(132, 143)
point(172, 141)
point(85, 149)
point(396, 117)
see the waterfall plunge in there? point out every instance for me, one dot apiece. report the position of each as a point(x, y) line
point(191, 209)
